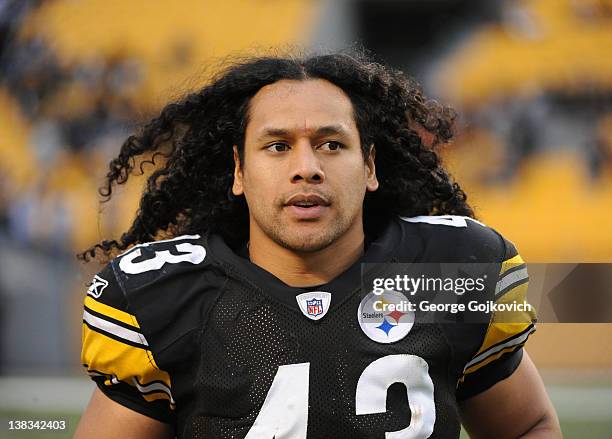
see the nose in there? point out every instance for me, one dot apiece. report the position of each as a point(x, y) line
point(305, 165)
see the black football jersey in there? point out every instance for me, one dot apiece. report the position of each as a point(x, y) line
point(190, 332)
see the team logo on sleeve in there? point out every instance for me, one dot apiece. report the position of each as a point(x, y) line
point(387, 317)
point(314, 304)
point(96, 286)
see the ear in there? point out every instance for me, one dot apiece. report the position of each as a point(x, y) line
point(237, 187)
point(371, 180)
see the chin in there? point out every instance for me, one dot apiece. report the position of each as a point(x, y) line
point(306, 237)
point(307, 243)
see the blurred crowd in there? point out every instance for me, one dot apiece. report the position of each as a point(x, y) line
point(538, 82)
point(76, 116)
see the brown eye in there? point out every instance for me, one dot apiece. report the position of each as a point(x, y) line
point(277, 147)
point(331, 146)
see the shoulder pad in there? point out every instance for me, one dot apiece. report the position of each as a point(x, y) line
point(118, 355)
point(452, 238)
point(168, 286)
point(147, 263)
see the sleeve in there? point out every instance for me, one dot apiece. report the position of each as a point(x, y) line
point(116, 353)
point(501, 350)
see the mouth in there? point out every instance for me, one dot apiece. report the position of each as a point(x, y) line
point(307, 206)
point(307, 201)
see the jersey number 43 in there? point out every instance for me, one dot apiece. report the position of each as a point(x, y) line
point(284, 413)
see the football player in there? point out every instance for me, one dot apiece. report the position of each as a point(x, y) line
point(235, 309)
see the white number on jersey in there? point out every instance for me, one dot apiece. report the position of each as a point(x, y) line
point(284, 413)
point(413, 372)
point(442, 220)
point(189, 253)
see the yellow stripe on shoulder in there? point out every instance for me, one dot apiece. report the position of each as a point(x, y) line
point(521, 312)
point(156, 396)
point(492, 358)
point(113, 358)
point(509, 263)
point(499, 332)
point(111, 312)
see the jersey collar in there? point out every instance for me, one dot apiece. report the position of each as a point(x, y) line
point(383, 249)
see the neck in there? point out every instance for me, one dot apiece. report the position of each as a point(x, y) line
point(303, 269)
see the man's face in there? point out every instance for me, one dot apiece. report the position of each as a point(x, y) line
point(303, 176)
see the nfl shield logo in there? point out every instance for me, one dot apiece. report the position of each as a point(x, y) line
point(314, 307)
point(314, 304)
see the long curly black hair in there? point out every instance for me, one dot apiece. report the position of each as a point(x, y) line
point(190, 192)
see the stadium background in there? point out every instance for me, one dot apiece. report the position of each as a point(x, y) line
point(531, 79)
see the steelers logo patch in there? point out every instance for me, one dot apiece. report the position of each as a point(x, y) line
point(386, 317)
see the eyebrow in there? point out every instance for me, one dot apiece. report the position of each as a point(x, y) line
point(326, 130)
